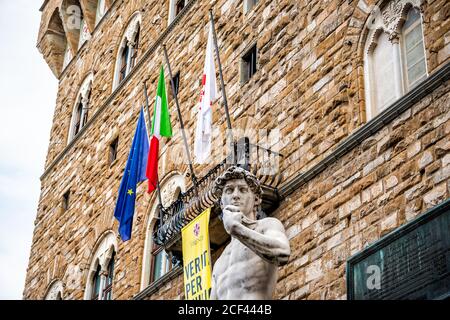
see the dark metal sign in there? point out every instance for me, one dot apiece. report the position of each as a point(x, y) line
point(412, 262)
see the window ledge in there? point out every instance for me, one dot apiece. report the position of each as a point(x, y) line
point(155, 286)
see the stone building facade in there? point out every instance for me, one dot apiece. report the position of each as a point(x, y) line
point(354, 167)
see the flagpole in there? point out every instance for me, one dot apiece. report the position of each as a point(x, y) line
point(225, 101)
point(150, 126)
point(188, 153)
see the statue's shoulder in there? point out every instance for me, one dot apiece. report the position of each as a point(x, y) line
point(272, 223)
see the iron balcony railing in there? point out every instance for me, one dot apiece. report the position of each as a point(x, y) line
point(262, 162)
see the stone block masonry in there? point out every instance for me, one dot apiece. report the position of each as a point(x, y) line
point(308, 84)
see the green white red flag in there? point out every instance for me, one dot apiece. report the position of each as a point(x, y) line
point(161, 127)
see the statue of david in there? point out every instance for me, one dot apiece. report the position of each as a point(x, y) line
point(247, 268)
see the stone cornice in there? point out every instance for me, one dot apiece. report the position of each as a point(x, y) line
point(155, 286)
point(124, 82)
point(43, 5)
point(367, 130)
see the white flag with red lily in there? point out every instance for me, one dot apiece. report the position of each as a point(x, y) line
point(202, 143)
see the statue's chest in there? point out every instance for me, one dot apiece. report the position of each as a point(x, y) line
point(239, 253)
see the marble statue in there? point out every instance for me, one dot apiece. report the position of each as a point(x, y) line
point(247, 268)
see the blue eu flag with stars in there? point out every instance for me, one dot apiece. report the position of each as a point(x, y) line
point(133, 174)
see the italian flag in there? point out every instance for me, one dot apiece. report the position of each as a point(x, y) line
point(160, 128)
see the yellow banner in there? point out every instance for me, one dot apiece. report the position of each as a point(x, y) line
point(197, 258)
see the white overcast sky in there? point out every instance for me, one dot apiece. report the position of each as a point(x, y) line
point(27, 99)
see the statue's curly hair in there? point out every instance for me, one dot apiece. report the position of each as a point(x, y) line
point(232, 173)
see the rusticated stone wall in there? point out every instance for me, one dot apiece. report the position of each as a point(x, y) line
point(309, 85)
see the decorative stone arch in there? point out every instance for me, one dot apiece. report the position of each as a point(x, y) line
point(386, 17)
point(55, 290)
point(105, 247)
point(53, 42)
point(389, 18)
point(172, 184)
point(360, 28)
point(83, 98)
point(127, 39)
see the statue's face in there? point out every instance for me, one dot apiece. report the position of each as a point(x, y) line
point(237, 193)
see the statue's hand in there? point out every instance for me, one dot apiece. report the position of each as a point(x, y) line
point(231, 217)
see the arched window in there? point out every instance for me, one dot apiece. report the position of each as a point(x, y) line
point(156, 261)
point(124, 63)
point(135, 49)
point(128, 52)
point(394, 60)
point(161, 261)
point(175, 8)
point(100, 11)
point(100, 279)
point(413, 49)
point(80, 112)
point(107, 291)
point(96, 284)
point(55, 291)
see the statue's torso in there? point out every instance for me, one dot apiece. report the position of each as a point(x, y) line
point(240, 273)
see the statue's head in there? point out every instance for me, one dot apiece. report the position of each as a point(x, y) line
point(239, 187)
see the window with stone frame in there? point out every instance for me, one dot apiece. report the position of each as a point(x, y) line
point(96, 284)
point(100, 11)
point(176, 83)
point(161, 263)
point(128, 51)
point(103, 290)
point(176, 6)
point(415, 69)
point(394, 56)
point(55, 291)
point(99, 285)
point(248, 64)
point(66, 200)
point(80, 113)
point(135, 49)
point(113, 147)
point(107, 291)
point(124, 63)
point(156, 261)
point(180, 4)
point(78, 118)
point(249, 4)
